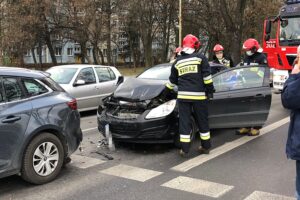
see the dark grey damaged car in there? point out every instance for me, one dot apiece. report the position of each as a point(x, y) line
point(137, 113)
point(39, 125)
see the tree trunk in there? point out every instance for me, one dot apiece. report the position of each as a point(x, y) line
point(83, 52)
point(95, 55)
point(50, 47)
point(40, 55)
point(102, 56)
point(148, 53)
point(34, 58)
point(108, 39)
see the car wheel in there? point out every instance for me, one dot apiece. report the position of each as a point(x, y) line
point(194, 130)
point(43, 159)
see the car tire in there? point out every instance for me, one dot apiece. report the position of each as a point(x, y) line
point(43, 159)
point(177, 143)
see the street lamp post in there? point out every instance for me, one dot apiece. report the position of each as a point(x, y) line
point(180, 22)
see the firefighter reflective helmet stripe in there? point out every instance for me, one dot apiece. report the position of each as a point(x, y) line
point(218, 47)
point(170, 86)
point(207, 79)
point(190, 41)
point(185, 138)
point(205, 136)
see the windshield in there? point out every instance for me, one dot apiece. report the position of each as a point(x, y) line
point(160, 72)
point(62, 75)
point(290, 31)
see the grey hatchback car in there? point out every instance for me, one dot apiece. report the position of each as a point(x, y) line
point(39, 125)
point(89, 84)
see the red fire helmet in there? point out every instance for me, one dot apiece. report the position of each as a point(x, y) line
point(218, 47)
point(190, 41)
point(250, 43)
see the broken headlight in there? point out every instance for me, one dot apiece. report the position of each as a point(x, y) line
point(162, 110)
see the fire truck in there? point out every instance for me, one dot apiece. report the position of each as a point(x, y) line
point(280, 41)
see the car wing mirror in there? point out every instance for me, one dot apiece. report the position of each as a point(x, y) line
point(79, 82)
point(120, 80)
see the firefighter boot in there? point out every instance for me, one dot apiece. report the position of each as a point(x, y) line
point(183, 154)
point(243, 131)
point(203, 150)
point(254, 132)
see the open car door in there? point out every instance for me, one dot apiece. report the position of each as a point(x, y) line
point(242, 98)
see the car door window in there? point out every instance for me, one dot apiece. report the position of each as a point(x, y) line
point(12, 89)
point(105, 74)
point(87, 75)
point(241, 78)
point(33, 87)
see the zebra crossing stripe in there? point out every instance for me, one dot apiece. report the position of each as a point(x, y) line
point(258, 195)
point(199, 160)
point(198, 186)
point(133, 173)
point(84, 162)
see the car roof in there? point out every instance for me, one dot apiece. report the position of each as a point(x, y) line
point(22, 72)
point(79, 66)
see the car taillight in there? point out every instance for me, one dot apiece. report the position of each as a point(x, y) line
point(72, 104)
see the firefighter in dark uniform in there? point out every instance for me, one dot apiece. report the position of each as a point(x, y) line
point(191, 73)
point(254, 56)
point(220, 58)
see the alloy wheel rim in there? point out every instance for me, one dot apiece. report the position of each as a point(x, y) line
point(45, 158)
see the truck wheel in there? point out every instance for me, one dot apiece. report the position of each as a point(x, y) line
point(43, 159)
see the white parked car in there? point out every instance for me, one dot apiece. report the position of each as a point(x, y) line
point(89, 84)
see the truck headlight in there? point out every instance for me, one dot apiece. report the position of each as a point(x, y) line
point(162, 110)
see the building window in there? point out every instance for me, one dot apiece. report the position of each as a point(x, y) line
point(58, 51)
point(70, 51)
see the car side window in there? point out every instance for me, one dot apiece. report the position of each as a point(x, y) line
point(105, 74)
point(87, 75)
point(33, 87)
point(12, 89)
point(242, 78)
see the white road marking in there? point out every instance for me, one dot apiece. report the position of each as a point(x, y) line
point(84, 162)
point(194, 162)
point(90, 129)
point(257, 195)
point(198, 186)
point(133, 173)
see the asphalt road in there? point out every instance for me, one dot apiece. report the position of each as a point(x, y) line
point(238, 168)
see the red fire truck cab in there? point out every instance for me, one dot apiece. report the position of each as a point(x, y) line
point(280, 41)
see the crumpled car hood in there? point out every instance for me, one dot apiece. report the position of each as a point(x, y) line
point(137, 89)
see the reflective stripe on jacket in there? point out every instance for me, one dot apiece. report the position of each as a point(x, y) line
point(191, 72)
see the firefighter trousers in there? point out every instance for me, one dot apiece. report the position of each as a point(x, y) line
point(199, 110)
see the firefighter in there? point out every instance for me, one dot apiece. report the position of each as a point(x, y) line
point(254, 56)
point(220, 58)
point(176, 54)
point(254, 53)
point(191, 73)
